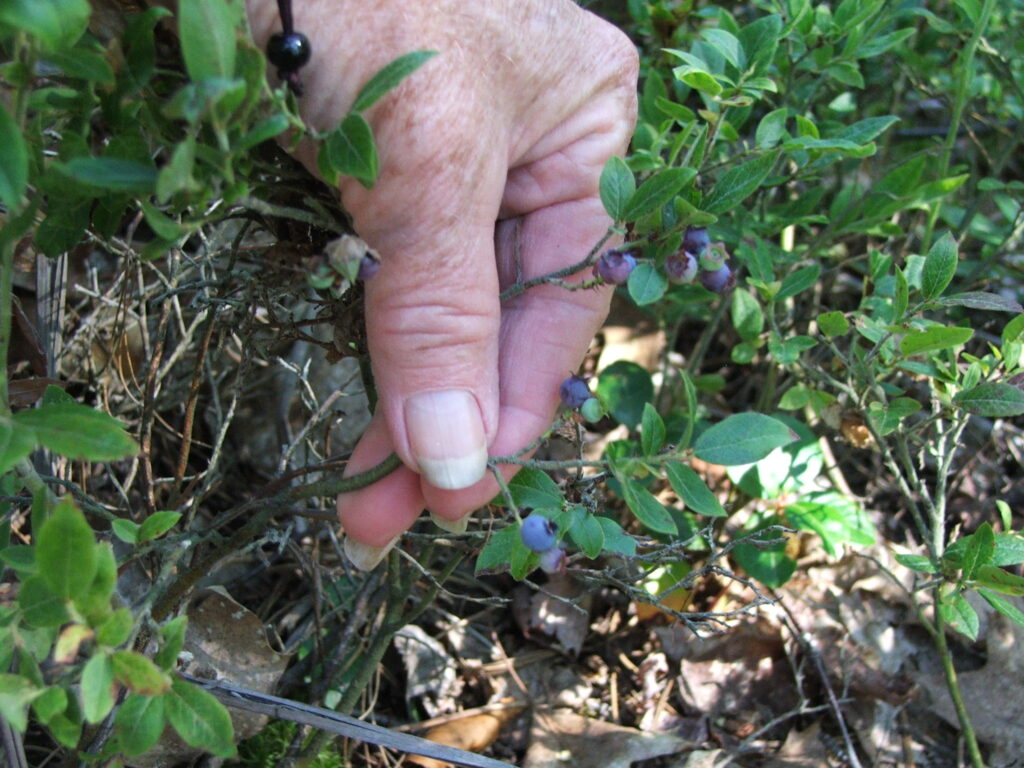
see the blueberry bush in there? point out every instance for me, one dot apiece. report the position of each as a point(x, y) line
point(820, 211)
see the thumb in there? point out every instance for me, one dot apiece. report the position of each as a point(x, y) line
point(433, 316)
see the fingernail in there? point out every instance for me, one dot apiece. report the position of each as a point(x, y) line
point(446, 435)
point(363, 556)
point(452, 526)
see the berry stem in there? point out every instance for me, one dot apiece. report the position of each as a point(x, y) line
point(588, 261)
point(284, 9)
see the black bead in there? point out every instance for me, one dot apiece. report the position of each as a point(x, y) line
point(290, 51)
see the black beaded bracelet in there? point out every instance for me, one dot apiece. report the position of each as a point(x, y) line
point(288, 50)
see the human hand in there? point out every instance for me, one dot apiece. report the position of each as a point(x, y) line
point(490, 158)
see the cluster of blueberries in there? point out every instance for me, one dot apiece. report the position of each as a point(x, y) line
point(697, 258)
point(541, 535)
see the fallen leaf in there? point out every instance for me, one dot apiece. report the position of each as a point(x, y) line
point(432, 674)
point(474, 733)
point(562, 738)
point(993, 695)
point(551, 615)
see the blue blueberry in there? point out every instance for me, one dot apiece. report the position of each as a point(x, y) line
point(719, 280)
point(574, 392)
point(696, 240)
point(615, 266)
point(539, 533)
point(368, 267)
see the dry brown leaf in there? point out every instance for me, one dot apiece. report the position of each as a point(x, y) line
point(472, 734)
point(432, 675)
point(802, 749)
point(553, 616)
point(994, 694)
point(561, 738)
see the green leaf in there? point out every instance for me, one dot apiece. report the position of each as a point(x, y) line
point(901, 296)
point(66, 729)
point(738, 183)
point(981, 545)
point(173, 635)
point(137, 673)
point(646, 284)
point(886, 419)
point(616, 539)
point(617, 187)
point(264, 130)
point(16, 442)
point(771, 128)
point(747, 316)
point(532, 488)
point(959, 615)
point(648, 510)
point(939, 267)
point(139, 723)
point(84, 64)
point(41, 607)
point(918, 563)
point(1004, 606)
point(799, 281)
point(157, 524)
point(652, 431)
point(207, 31)
point(847, 73)
point(742, 438)
point(66, 552)
point(56, 23)
point(113, 173)
point(698, 79)
point(992, 302)
point(726, 44)
point(697, 497)
point(101, 590)
point(932, 339)
point(657, 191)
point(78, 432)
point(997, 579)
point(52, 702)
point(116, 628)
point(882, 43)
point(350, 150)
point(625, 387)
point(994, 399)
point(833, 324)
point(497, 553)
point(866, 130)
point(200, 719)
point(388, 77)
point(126, 530)
point(13, 161)
point(836, 519)
point(16, 693)
point(769, 564)
point(588, 535)
point(20, 558)
point(97, 688)
point(1009, 550)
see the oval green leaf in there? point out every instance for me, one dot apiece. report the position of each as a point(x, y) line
point(692, 490)
point(78, 432)
point(66, 552)
point(743, 438)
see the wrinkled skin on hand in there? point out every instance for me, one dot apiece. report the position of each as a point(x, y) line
point(505, 131)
